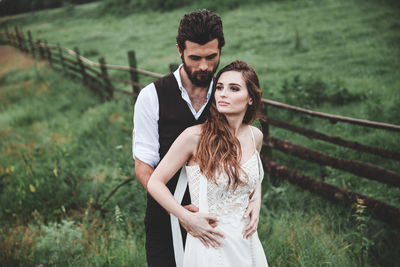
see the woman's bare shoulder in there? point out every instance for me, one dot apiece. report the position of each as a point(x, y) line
point(258, 136)
point(192, 134)
point(193, 131)
point(257, 132)
point(196, 129)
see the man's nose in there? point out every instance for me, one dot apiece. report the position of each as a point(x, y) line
point(203, 65)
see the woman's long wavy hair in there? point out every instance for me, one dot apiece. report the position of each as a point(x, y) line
point(218, 148)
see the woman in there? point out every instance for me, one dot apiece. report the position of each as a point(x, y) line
point(224, 174)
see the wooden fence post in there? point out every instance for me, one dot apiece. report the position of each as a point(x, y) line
point(22, 40)
point(48, 52)
point(298, 40)
point(11, 38)
point(265, 127)
point(134, 74)
point(8, 34)
point(107, 82)
point(31, 44)
point(14, 41)
point(41, 53)
point(81, 65)
point(25, 42)
point(18, 38)
point(2, 38)
point(60, 56)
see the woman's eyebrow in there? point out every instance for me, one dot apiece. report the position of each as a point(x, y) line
point(230, 84)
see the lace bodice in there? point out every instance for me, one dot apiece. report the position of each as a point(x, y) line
point(223, 201)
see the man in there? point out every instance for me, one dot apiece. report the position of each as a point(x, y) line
point(167, 107)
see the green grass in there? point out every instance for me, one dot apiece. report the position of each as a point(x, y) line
point(63, 149)
point(353, 41)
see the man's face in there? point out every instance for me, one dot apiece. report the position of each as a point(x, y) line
point(200, 61)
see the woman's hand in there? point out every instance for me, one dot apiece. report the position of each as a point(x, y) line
point(253, 210)
point(199, 225)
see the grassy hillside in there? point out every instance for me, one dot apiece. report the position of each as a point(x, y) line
point(351, 41)
point(63, 149)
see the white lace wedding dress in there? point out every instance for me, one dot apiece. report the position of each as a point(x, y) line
point(229, 206)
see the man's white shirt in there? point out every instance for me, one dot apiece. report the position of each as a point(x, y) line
point(145, 143)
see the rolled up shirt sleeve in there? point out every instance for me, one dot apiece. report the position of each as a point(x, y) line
point(145, 142)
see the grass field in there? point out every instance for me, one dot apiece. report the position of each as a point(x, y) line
point(62, 149)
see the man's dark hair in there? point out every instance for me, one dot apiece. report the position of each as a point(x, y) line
point(200, 26)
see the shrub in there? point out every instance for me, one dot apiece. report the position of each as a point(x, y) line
point(377, 111)
point(61, 243)
point(314, 92)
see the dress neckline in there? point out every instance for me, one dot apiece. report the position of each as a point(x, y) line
point(241, 165)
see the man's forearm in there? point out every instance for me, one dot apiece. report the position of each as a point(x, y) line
point(143, 172)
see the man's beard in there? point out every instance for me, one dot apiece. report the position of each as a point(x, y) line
point(199, 78)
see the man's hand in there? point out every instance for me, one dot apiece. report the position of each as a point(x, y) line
point(253, 210)
point(191, 208)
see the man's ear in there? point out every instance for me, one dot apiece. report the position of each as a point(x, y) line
point(179, 50)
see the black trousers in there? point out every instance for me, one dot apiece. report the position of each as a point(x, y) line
point(159, 246)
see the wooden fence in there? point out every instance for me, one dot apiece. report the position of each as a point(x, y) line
point(99, 81)
point(378, 208)
point(94, 75)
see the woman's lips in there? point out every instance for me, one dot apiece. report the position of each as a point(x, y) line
point(223, 103)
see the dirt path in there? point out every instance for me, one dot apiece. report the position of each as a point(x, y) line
point(12, 58)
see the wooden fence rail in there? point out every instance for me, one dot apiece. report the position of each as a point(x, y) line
point(335, 140)
point(380, 209)
point(352, 166)
point(95, 75)
point(334, 118)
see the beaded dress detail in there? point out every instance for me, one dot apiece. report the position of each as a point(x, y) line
point(222, 202)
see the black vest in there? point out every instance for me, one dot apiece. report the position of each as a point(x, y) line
point(174, 117)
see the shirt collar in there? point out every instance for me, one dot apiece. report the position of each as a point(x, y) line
point(177, 75)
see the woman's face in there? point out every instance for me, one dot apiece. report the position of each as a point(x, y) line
point(231, 94)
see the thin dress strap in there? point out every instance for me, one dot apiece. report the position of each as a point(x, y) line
point(254, 141)
point(259, 165)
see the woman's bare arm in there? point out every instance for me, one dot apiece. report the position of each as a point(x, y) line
point(180, 152)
